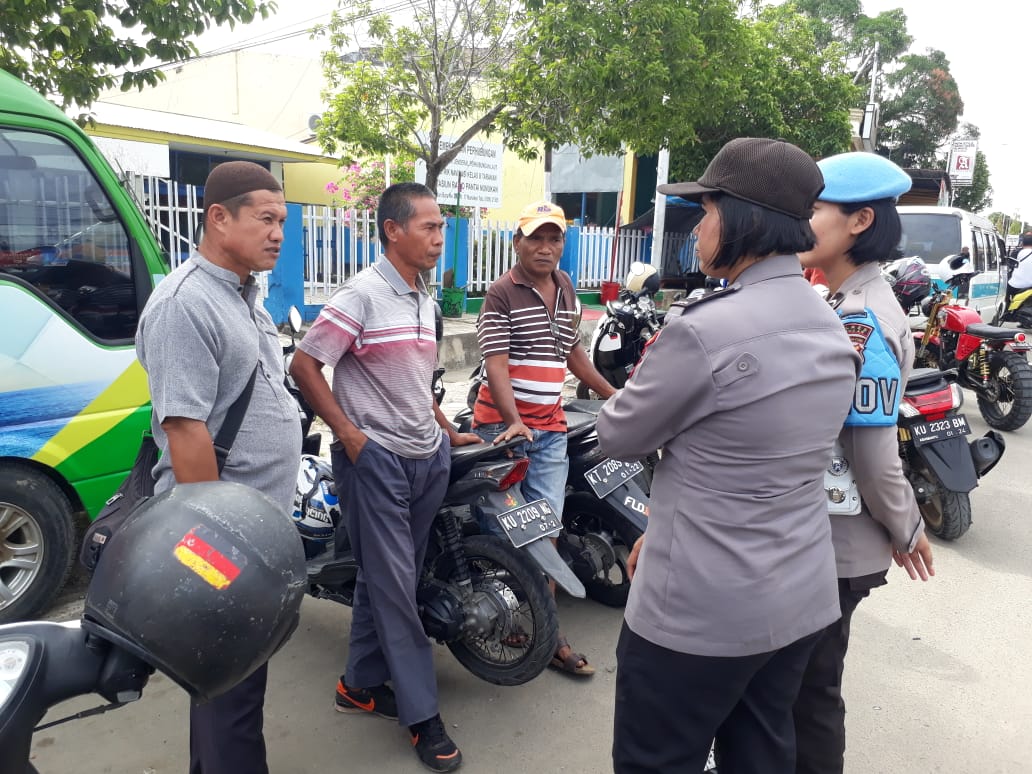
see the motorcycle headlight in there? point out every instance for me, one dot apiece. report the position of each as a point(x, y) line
point(14, 663)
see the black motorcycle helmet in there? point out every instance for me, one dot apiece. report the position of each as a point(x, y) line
point(912, 282)
point(203, 582)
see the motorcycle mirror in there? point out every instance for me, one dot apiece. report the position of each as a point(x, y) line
point(294, 318)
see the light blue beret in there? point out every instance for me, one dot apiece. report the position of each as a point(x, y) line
point(861, 177)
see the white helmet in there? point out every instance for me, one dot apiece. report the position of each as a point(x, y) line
point(316, 508)
point(642, 277)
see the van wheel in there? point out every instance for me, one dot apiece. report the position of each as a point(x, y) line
point(37, 530)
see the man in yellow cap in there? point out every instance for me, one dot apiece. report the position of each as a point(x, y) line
point(528, 337)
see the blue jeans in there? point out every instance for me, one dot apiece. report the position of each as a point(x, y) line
point(549, 466)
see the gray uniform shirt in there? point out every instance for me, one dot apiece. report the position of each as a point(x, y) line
point(745, 392)
point(889, 516)
point(199, 338)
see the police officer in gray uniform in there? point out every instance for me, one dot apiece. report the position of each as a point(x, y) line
point(856, 225)
point(735, 575)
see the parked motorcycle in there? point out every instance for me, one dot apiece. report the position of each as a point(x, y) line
point(940, 465)
point(483, 591)
point(606, 507)
point(1018, 306)
point(621, 334)
point(988, 359)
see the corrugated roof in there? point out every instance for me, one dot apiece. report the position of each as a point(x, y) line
point(201, 129)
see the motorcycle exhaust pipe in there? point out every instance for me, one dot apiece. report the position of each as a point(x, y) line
point(987, 451)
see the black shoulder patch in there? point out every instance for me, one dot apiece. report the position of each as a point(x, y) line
point(687, 303)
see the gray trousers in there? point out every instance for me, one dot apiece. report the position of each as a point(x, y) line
point(389, 503)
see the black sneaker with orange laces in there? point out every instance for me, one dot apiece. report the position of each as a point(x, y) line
point(433, 745)
point(375, 701)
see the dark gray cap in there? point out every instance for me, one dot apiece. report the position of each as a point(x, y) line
point(234, 178)
point(773, 174)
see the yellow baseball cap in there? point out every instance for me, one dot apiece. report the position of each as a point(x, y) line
point(535, 215)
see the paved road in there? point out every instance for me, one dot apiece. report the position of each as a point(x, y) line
point(938, 679)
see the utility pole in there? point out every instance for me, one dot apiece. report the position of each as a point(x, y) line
point(659, 213)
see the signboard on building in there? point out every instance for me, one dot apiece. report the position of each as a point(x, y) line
point(481, 166)
point(962, 162)
point(573, 172)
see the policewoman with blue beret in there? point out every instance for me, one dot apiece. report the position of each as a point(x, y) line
point(856, 225)
point(735, 575)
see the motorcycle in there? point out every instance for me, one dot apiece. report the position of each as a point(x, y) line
point(630, 321)
point(940, 465)
point(989, 360)
point(605, 510)
point(482, 590)
point(1018, 306)
point(43, 664)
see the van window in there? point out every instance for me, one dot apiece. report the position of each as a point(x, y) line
point(60, 234)
point(931, 236)
point(978, 240)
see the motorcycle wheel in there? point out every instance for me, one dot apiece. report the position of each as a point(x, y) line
point(511, 578)
point(947, 515)
point(583, 392)
point(1007, 402)
point(584, 513)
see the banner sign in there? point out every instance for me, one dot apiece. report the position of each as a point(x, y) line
point(962, 161)
point(481, 166)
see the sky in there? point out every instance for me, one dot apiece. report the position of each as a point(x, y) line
point(987, 42)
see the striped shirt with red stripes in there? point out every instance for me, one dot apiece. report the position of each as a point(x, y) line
point(515, 321)
point(378, 335)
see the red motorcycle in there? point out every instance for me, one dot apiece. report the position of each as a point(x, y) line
point(989, 360)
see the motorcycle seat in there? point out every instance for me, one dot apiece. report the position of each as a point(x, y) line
point(579, 424)
point(465, 457)
point(925, 380)
point(583, 406)
point(991, 332)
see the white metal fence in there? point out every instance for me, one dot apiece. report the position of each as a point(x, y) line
point(605, 256)
point(340, 242)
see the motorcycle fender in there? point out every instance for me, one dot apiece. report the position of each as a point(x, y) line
point(631, 502)
point(547, 558)
point(950, 460)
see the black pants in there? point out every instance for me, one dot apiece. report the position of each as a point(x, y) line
point(226, 734)
point(820, 712)
point(670, 706)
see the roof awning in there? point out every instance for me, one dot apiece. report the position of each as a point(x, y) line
point(199, 135)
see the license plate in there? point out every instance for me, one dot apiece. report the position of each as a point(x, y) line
point(939, 430)
point(608, 475)
point(529, 522)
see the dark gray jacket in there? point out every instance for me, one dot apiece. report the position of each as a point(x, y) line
point(745, 392)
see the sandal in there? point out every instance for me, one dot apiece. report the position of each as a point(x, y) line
point(574, 664)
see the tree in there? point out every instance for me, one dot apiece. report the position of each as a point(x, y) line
point(794, 91)
point(921, 112)
point(72, 51)
point(397, 94)
point(979, 195)
point(843, 22)
point(637, 75)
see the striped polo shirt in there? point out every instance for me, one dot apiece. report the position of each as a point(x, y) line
point(515, 321)
point(378, 335)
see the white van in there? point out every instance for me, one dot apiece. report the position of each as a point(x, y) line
point(934, 233)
